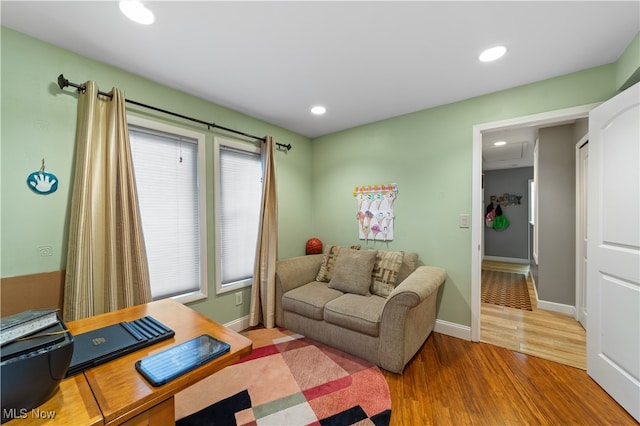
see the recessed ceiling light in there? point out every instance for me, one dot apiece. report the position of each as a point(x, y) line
point(137, 12)
point(499, 143)
point(492, 54)
point(318, 110)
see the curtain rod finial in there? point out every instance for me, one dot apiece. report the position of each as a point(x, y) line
point(62, 82)
point(283, 146)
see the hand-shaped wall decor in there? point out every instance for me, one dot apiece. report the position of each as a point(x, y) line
point(42, 182)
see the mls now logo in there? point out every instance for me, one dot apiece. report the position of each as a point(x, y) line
point(23, 413)
point(14, 413)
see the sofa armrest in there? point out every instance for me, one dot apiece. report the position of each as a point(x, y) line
point(292, 273)
point(408, 317)
point(296, 271)
point(417, 286)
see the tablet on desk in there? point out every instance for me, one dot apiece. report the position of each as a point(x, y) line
point(171, 363)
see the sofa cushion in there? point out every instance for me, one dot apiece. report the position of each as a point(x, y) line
point(352, 271)
point(385, 272)
point(355, 312)
point(409, 264)
point(309, 300)
point(328, 261)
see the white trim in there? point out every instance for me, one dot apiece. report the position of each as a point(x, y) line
point(580, 250)
point(507, 259)
point(239, 324)
point(534, 200)
point(557, 307)
point(443, 327)
point(218, 142)
point(200, 137)
point(452, 329)
point(477, 219)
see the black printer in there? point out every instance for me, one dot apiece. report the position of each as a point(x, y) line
point(32, 368)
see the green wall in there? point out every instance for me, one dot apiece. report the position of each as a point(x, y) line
point(38, 121)
point(628, 69)
point(428, 154)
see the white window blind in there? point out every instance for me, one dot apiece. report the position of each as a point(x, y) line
point(166, 169)
point(239, 194)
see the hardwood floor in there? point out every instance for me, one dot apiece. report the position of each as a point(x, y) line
point(527, 370)
point(452, 381)
point(549, 335)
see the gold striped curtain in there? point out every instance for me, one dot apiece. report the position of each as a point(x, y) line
point(263, 292)
point(106, 260)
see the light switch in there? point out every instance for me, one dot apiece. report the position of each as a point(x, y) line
point(464, 221)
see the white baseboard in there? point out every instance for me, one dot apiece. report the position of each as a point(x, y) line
point(506, 259)
point(239, 324)
point(444, 327)
point(452, 329)
point(557, 307)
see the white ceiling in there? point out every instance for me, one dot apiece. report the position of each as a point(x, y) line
point(365, 61)
point(518, 152)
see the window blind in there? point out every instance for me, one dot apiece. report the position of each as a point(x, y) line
point(166, 169)
point(240, 195)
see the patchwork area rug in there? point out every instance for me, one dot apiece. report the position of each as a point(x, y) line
point(505, 289)
point(288, 380)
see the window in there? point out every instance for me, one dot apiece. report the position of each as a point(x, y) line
point(169, 168)
point(238, 194)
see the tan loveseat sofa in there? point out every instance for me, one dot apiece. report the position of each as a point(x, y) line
point(386, 323)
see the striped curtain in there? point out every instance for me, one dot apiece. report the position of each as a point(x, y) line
point(263, 292)
point(106, 260)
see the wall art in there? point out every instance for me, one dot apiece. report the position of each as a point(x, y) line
point(375, 211)
point(42, 182)
point(507, 199)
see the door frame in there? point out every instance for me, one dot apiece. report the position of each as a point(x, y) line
point(549, 118)
point(581, 273)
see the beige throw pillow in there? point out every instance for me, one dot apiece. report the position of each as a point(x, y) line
point(328, 261)
point(352, 271)
point(385, 272)
point(409, 264)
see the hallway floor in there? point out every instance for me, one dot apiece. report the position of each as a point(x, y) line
point(545, 334)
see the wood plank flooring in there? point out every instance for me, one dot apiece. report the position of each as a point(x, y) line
point(546, 334)
point(452, 381)
point(528, 370)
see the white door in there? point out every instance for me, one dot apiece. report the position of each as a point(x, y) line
point(581, 228)
point(613, 272)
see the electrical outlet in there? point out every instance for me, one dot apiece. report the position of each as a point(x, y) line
point(238, 298)
point(45, 251)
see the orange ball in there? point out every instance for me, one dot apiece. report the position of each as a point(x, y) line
point(313, 246)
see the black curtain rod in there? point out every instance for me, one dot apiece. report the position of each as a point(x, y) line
point(63, 82)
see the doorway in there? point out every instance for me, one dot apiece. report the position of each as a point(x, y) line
point(511, 316)
point(536, 120)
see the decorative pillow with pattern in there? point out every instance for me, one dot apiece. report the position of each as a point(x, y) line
point(329, 260)
point(385, 272)
point(352, 271)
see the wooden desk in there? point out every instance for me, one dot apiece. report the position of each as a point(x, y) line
point(121, 394)
point(72, 404)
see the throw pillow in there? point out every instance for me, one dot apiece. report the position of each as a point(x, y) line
point(409, 264)
point(352, 272)
point(385, 272)
point(328, 261)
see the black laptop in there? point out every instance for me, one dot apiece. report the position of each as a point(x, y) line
point(104, 344)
